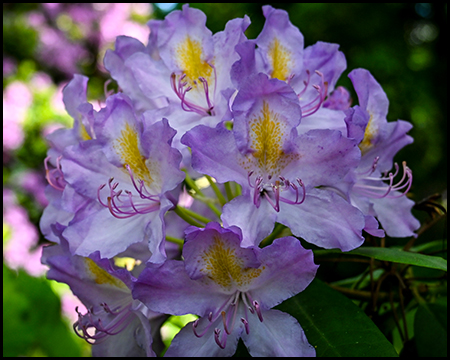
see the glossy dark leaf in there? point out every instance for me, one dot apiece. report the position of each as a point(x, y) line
point(430, 330)
point(394, 255)
point(334, 325)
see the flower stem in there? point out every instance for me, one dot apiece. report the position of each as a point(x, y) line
point(208, 202)
point(216, 190)
point(275, 233)
point(197, 216)
point(175, 240)
point(229, 191)
point(191, 183)
point(238, 189)
point(199, 194)
point(185, 216)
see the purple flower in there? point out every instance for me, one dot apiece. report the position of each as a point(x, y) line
point(185, 71)
point(33, 183)
point(125, 173)
point(339, 99)
point(61, 210)
point(233, 290)
point(280, 170)
point(115, 323)
point(311, 72)
point(372, 188)
point(114, 62)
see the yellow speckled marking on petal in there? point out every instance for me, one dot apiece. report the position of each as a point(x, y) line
point(369, 134)
point(101, 276)
point(267, 136)
point(127, 146)
point(281, 59)
point(189, 55)
point(225, 268)
point(83, 132)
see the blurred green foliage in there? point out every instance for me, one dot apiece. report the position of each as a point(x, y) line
point(32, 322)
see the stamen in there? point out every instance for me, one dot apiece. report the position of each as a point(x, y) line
point(181, 90)
point(194, 329)
point(228, 316)
point(372, 168)
point(212, 318)
point(250, 173)
point(222, 343)
point(277, 187)
point(141, 188)
point(90, 322)
point(289, 79)
point(235, 303)
point(385, 190)
point(123, 209)
point(205, 87)
point(276, 190)
point(305, 82)
point(257, 192)
point(244, 299)
point(55, 177)
point(322, 90)
point(294, 187)
point(245, 322)
point(255, 304)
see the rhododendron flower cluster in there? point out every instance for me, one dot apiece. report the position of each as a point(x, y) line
point(211, 142)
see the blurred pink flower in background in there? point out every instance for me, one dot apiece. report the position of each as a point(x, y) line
point(34, 183)
point(116, 21)
point(68, 33)
point(16, 100)
point(22, 249)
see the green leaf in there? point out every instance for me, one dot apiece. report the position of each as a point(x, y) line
point(334, 325)
point(430, 330)
point(32, 322)
point(394, 255)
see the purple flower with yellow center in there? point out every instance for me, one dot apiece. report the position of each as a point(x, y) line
point(233, 290)
point(280, 170)
point(115, 323)
point(312, 72)
point(185, 70)
point(373, 188)
point(126, 172)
